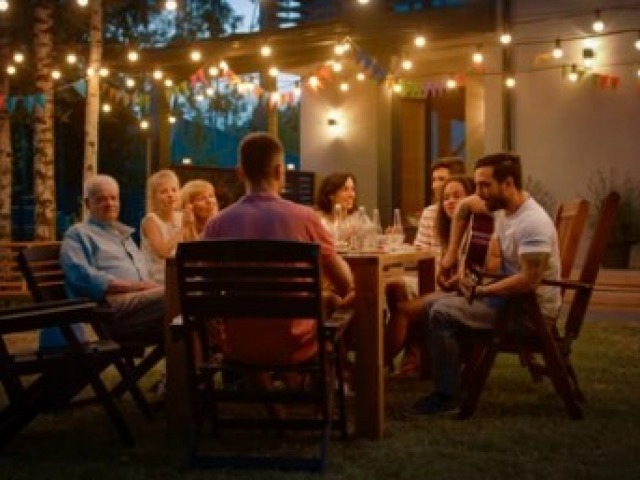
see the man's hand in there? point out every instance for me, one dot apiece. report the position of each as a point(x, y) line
point(468, 284)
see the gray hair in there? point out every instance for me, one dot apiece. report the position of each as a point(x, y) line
point(92, 185)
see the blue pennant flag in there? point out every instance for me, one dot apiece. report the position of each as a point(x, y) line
point(80, 86)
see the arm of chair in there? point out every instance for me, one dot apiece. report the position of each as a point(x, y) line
point(338, 322)
point(45, 315)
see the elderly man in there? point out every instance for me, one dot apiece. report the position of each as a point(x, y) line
point(262, 213)
point(101, 261)
point(527, 242)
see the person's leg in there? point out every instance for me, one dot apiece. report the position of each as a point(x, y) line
point(447, 316)
point(139, 315)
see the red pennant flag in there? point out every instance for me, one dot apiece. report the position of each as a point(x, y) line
point(614, 81)
point(1, 102)
point(603, 81)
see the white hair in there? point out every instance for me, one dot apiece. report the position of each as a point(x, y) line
point(91, 186)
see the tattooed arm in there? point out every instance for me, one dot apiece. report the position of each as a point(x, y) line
point(532, 267)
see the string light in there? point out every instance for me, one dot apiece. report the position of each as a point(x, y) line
point(168, 82)
point(397, 87)
point(82, 3)
point(11, 69)
point(573, 74)
point(361, 77)
point(314, 82)
point(407, 64)
point(103, 72)
point(55, 74)
point(195, 55)
point(557, 50)
point(144, 124)
point(598, 24)
point(637, 43)
point(4, 5)
point(214, 71)
point(477, 56)
point(505, 38)
point(172, 119)
point(157, 74)
point(106, 107)
point(133, 55)
point(419, 41)
point(273, 71)
point(130, 82)
point(451, 83)
point(72, 58)
point(510, 82)
point(266, 51)
point(171, 5)
point(337, 67)
point(344, 87)
point(18, 57)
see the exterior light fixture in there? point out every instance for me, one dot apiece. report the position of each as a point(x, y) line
point(588, 57)
point(573, 75)
point(477, 56)
point(557, 50)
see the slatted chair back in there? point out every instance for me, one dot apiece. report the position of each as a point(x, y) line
point(265, 281)
point(40, 265)
point(553, 347)
point(570, 220)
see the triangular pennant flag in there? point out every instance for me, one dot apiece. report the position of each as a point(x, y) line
point(11, 103)
point(28, 102)
point(614, 81)
point(80, 86)
point(41, 100)
point(2, 97)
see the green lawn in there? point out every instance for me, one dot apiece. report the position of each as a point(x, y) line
point(520, 431)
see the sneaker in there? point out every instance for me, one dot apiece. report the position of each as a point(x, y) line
point(433, 404)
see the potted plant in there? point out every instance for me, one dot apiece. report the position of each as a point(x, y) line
point(626, 228)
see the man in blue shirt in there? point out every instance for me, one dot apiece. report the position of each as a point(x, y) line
point(101, 261)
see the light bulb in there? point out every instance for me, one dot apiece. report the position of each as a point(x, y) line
point(419, 41)
point(344, 87)
point(172, 119)
point(214, 71)
point(314, 82)
point(451, 83)
point(598, 24)
point(106, 107)
point(55, 74)
point(18, 57)
point(557, 50)
point(361, 77)
point(157, 74)
point(573, 74)
point(168, 82)
point(505, 38)
point(72, 58)
point(130, 82)
point(144, 124)
point(133, 56)
point(273, 71)
point(82, 3)
point(637, 44)
point(397, 88)
point(510, 82)
point(337, 67)
point(477, 57)
point(103, 72)
point(4, 5)
point(11, 69)
point(265, 51)
point(195, 55)
point(407, 64)
point(171, 5)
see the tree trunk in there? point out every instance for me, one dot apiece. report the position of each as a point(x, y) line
point(6, 154)
point(93, 93)
point(43, 162)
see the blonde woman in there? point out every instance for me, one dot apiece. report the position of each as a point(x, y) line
point(161, 228)
point(199, 204)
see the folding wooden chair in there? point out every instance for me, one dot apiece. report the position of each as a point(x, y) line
point(235, 280)
point(40, 265)
point(554, 348)
point(36, 381)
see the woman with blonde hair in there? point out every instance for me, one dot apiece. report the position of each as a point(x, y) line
point(199, 204)
point(161, 228)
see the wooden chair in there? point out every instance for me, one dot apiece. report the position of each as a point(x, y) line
point(37, 381)
point(554, 348)
point(235, 280)
point(40, 265)
point(570, 221)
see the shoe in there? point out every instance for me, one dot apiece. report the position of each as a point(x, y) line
point(433, 404)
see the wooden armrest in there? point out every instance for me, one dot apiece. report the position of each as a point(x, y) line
point(564, 283)
point(46, 315)
point(338, 322)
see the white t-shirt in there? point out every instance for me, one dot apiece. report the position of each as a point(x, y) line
point(530, 230)
point(156, 263)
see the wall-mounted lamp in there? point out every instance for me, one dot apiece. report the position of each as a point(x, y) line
point(588, 57)
point(335, 124)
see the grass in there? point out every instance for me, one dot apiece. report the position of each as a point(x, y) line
point(520, 430)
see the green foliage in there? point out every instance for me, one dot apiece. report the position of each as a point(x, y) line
point(626, 228)
point(543, 196)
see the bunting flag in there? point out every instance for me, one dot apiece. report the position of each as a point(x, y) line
point(2, 97)
point(371, 66)
point(80, 86)
point(28, 102)
point(11, 103)
point(606, 82)
point(41, 100)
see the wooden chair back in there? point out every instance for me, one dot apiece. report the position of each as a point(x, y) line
point(40, 265)
point(570, 221)
point(265, 281)
point(591, 266)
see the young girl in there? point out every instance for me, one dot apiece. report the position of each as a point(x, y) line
point(199, 204)
point(161, 228)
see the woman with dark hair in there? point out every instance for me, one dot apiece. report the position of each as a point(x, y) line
point(403, 330)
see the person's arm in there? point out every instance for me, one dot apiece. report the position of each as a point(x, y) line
point(532, 268)
point(163, 247)
point(459, 224)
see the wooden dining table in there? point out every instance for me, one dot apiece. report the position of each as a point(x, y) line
point(372, 271)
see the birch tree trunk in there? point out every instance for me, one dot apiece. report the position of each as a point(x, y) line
point(44, 187)
point(93, 94)
point(6, 154)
